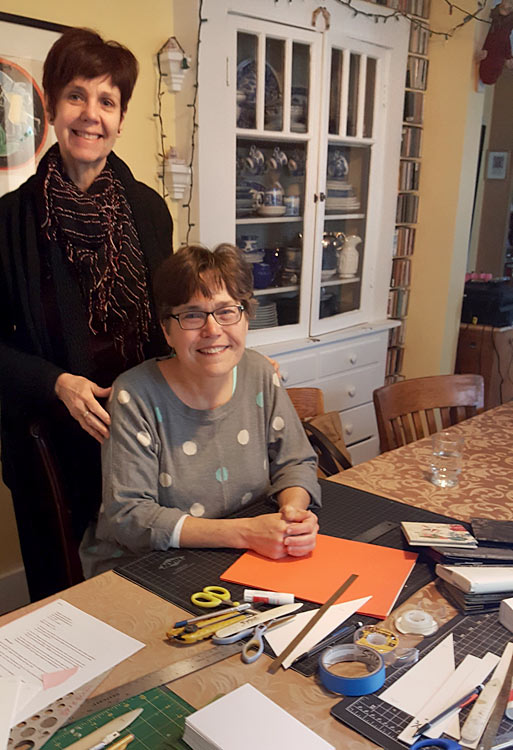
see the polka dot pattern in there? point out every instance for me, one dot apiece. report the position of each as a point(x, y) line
point(276, 380)
point(222, 474)
point(158, 414)
point(123, 396)
point(260, 399)
point(165, 479)
point(246, 497)
point(243, 437)
point(144, 438)
point(190, 448)
point(278, 424)
point(197, 510)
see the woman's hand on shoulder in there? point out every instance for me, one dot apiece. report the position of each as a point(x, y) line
point(79, 395)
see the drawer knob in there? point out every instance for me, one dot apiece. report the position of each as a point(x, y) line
point(284, 375)
point(348, 429)
point(353, 359)
point(351, 391)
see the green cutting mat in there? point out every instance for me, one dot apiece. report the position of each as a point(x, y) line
point(159, 727)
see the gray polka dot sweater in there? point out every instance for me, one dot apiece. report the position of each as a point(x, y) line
point(165, 460)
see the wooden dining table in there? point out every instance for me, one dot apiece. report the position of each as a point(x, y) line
point(486, 487)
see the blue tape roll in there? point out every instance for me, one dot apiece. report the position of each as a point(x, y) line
point(352, 685)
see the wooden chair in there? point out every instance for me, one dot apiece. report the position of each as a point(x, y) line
point(309, 403)
point(64, 545)
point(412, 409)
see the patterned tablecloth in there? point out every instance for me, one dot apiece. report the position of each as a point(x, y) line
point(485, 488)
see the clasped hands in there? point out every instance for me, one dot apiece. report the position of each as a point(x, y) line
point(292, 531)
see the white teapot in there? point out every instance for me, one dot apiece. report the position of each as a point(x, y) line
point(349, 257)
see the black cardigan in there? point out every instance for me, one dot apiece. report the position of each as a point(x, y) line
point(29, 366)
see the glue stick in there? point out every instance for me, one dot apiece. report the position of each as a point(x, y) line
point(267, 597)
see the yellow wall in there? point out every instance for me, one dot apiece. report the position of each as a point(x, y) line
point(452, 121)
point(143, 27)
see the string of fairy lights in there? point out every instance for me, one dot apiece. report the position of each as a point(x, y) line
point(376, 16)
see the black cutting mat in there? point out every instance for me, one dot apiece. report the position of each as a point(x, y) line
point(381, 722)
point(346, 513)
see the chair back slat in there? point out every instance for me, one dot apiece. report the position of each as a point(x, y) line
point(411, 409)
point(431, 422)
point(445, 415)
point(308, 402)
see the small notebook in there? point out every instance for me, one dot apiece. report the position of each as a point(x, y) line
point(479, 579)
point(437, 534)
point(246, 718)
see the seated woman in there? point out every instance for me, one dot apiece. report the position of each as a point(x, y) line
point(196, 436)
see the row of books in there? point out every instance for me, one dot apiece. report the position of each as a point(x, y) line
point(398, 303)
point(419, 39)
point(394, 361)
point(401, 272)
point(404, 241)
point(413, 107)
point(409, 173)
point(397, 336)
point(407, 208)
point(411, 141)
point(416, 73)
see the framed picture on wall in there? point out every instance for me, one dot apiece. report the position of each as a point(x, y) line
point(497, 165)
point(25, 133)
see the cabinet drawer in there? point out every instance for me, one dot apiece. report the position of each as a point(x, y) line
point(359, 423)
point(364, 451)
point(351, 388)
point(297, 369)
point(351, 355)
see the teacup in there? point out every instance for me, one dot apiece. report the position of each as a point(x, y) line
point(278, 159)
point(255, 161)
point(291, 203)
point(271, 197)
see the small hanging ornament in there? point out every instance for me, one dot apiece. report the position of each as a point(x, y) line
point(173, 63)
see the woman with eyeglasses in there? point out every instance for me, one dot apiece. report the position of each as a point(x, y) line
point(202, 433)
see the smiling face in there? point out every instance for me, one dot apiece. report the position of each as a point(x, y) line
point(87, 121)
point(211, 351)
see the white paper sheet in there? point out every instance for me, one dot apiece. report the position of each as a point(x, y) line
point(413, 690)
point(9, 691)
point(470, 672)
point(279, 638)
point(55, 637)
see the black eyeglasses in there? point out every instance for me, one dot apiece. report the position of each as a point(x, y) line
point(194, 319)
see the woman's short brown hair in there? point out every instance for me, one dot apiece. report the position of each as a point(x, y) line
point(83, 53)
point(196, 270)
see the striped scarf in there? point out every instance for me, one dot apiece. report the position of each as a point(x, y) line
point(99, 237)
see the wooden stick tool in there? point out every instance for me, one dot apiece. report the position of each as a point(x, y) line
point(309, 625)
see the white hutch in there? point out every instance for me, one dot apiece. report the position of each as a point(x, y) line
point(296, 161)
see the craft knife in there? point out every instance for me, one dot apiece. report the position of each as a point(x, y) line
point(254, 620)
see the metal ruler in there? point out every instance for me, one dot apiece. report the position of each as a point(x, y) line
point(162, 676)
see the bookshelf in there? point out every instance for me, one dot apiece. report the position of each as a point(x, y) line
point(408, 183)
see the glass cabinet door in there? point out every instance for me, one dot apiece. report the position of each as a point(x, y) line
point(274, 149)
point(343, 214)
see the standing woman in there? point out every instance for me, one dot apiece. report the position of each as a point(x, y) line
point(79, 242)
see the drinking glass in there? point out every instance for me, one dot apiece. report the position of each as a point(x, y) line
point(446, 458)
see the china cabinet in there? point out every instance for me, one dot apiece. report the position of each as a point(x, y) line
point(296, 161)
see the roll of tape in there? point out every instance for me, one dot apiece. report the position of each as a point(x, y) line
point(369, 683)
point(416, 621)
point(376, 637)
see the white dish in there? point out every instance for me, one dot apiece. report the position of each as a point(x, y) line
point(271, 210)
point(327, 274)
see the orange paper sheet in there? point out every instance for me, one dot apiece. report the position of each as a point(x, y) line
point(382, 572)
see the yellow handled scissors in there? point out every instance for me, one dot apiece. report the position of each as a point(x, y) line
point(212, 596)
